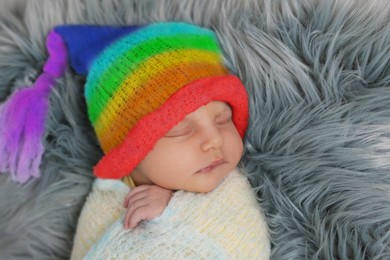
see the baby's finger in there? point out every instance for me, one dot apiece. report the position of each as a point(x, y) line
point(134, 205)
point(134, 194)
point(126, 220)
point(137, 216)
point(134, 198)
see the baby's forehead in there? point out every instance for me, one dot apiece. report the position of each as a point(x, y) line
point(212, 108)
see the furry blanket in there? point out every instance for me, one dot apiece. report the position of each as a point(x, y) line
point(318, 145)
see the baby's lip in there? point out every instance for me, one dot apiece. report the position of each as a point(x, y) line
point(212, 166)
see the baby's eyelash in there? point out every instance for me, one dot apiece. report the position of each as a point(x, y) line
point(223, 119)
point(182, 131)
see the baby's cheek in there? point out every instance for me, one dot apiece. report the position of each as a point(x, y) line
point(235, 147)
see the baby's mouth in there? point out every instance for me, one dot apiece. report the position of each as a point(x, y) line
point(212, 166)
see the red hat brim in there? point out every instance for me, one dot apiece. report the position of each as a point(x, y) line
point(141, 139)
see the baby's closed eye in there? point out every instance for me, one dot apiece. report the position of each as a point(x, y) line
point(180, 129)
point(223, 118)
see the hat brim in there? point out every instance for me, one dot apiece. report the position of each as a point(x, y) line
point(141, 139)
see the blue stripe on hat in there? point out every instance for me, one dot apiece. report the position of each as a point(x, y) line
point(86, 42)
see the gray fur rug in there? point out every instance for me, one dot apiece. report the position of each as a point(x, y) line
point(318, 145)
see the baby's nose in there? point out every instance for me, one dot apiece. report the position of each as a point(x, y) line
point(213, 139)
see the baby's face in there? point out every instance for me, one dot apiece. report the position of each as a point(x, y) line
point(196, 154)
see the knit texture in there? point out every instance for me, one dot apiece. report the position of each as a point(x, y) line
point(226, 223)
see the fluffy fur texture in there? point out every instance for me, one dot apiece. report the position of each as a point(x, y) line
point(318, 145)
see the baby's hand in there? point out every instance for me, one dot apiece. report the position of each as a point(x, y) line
point(145, 202)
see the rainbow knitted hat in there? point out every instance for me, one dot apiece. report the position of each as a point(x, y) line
point(141, 81)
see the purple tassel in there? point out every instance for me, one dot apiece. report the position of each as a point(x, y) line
point(22, 117)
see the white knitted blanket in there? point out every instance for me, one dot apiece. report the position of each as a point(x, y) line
point(226, 223)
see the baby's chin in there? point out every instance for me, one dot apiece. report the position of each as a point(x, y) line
point(211, 183)
point(207, 189)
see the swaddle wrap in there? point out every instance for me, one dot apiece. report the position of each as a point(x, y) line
point(226, 223)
